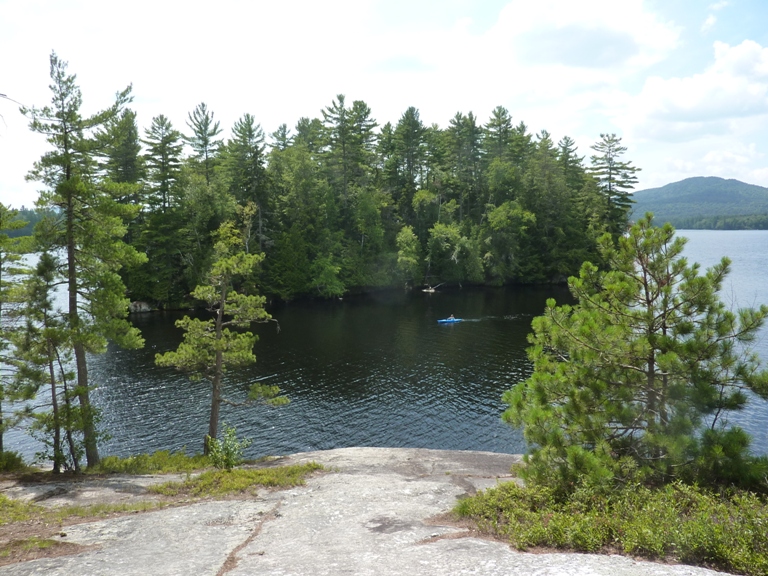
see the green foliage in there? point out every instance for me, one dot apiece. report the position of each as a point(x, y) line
point(163, 163)
point(486, 203)
point(11, 271)
point(675, 523)
point(160, 462)
point(203, 140)
point(43, 359)
point(27, 545)
point(218, 483)
point(11, 461)
point(87, 224)
point(227, 453)
point(12, 511)
point(616, 178)
point(15, 511)
point(209, 346)
point(635, 379)
point(409, 261)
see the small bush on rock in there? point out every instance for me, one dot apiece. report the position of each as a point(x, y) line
point(227, 453)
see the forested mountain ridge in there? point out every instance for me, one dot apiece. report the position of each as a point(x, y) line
point(340, 203)
point(706, 203)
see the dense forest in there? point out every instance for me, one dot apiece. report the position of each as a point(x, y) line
point(340, 204)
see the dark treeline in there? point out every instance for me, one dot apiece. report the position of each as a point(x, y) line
point(750, 222)
point(339, 204)
point(29, 217)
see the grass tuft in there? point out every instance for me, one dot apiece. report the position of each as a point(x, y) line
point(16, 511)
point(677, 522)
point(27, 545)
point(217, 483)
point(161, 462)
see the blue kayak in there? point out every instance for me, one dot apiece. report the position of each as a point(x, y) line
point(450, 320)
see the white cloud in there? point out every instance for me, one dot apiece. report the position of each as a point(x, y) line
point(708, 23)
point(725, 159)
point(587, 34)
point(719, 5)
point(735, 86)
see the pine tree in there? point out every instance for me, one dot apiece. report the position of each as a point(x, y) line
point(615, 178)
point(638, 376)
point(205, 146)
point(245, 165)
point(43, 360)
point(498, 135)
point(209, 347)
point(163, 161)
point(11, 271)
point(121, 150)
point(87, 226)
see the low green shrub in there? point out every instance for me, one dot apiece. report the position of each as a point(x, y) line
point(227, 453)
point(11, 462)
point(723, 530)
point(161, 462)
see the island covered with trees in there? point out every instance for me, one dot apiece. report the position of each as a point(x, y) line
point(342, 204)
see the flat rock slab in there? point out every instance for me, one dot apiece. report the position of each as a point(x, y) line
point(372, 514)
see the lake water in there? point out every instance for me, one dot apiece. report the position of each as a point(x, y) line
point(375, 370)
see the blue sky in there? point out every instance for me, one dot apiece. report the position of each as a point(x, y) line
point(683, 82)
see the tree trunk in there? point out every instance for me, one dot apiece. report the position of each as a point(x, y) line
point(213, 422)
point(261, 248)
point(57, 454)
point(68, 429)
point(89, 430)
point(1, 420)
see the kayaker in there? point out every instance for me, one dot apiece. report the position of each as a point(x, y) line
point(451, 317)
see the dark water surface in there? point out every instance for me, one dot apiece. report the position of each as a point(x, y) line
point(375, 370)
point(367, 371)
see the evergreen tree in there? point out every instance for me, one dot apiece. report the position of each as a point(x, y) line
point(465, 142)
point(87, 227)
point(571, 164)
point(338, 130)
point(309, 133)
point(205, 146)
point(121, 153)
point(615, 178)
point(43, 359)
point(11, 269)
point(639, 375)
point(349, 160)
point(362, 143)
point(163, 161)
point(281, 137)
point(408, 155)
point(498, 132)
point(209, 347)
point(245, 164)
